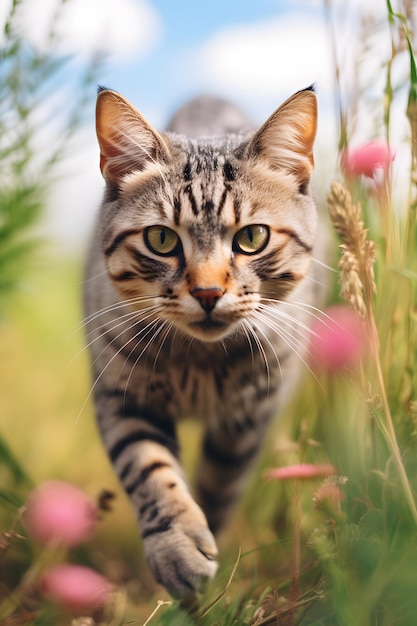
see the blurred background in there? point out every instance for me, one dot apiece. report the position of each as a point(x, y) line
point(157, 53)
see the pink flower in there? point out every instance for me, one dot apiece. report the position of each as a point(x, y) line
point(338, 340)
point(367, 158)
point(301, 471)
point(329, 497)
point(59, 512)
point(77, 588)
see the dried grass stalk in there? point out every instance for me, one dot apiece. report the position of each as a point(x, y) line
point(357, 272)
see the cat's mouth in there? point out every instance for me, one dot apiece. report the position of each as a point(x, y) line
point(210, 329)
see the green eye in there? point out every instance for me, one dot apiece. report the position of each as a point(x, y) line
point(251, 239)
point(162, 240)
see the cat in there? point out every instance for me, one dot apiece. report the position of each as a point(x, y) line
point(200, 285)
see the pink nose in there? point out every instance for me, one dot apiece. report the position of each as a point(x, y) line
point(207, 297)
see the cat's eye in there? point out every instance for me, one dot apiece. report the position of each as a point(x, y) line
point(251, 239)
point(162, 240)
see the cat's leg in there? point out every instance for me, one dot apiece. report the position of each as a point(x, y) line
point(178, 545)
point(229, 452)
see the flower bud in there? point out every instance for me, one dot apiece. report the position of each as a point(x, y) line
point(338, 341)
point(76, 588)
point(301, 471)
point(57, 512)
point(366, 159)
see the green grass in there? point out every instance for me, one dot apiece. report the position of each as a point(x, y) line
point(359, 567)
point(353, 565)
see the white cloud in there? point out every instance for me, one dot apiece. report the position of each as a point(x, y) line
point(268, 58)
point(120, 28)
point(74, 199)
point(5, 7)
point(370, 7)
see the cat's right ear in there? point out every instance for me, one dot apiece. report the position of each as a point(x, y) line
point(285, 141)
point(127, 142)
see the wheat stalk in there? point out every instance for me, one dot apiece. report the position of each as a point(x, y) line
point(358, 288)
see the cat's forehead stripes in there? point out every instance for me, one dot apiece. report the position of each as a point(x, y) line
point(207, 206)
point(196, 166)
point(207, 188)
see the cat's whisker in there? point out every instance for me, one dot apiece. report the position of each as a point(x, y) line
point(90, 279)
point(243, 329)
point(283, 333)
point(298, 325)
point(261, 350)
point(320, 283)
point(150, 327)
point(223, 344)
point(105, 310)
point(121, 304)
point(88, 344)
point(327, 267)
point(259, 330)
point(321, 316)
point(190, 343)
point(163, 339)
point(142, 330)
point(122, 318)
point(309, 309)
point(174, 330)
point(288, 339)
point(110, 361)
point(128, 317)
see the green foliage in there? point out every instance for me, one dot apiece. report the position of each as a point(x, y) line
point(306, 560)
point(28, 80)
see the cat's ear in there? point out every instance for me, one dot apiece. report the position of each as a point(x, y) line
point(285, 141)
point(127, 142)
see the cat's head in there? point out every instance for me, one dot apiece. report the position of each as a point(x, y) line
point(205, 230)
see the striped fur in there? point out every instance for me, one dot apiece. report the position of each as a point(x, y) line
point(203, 328)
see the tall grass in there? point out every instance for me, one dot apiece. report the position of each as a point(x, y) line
point(29, 82)
point(337, 552)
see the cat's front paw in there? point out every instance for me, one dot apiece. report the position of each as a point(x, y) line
point(181, 553)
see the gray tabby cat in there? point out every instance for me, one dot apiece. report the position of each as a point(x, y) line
point(198, 294)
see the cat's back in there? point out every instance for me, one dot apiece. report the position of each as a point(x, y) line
point(208, 116)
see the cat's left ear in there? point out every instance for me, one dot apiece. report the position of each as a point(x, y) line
point(285, 141)
point(128, 143)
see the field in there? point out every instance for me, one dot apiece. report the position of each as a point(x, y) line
point(334, 540)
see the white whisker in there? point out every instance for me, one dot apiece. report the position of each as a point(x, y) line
point(287, 338)
point(115, 355)
point(308, 309)
point(248, 337)
point(327, 267)
point(287, 319)
point(92, 278)
point(261, 350)
point(124, 319)
point(150, 328)
point(163, 339)
point(310, 279)
point(107, 309)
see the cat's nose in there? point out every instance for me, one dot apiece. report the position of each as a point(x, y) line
point(207, 297)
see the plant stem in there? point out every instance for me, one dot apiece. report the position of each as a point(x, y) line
point(387, 425)
point(297, 546)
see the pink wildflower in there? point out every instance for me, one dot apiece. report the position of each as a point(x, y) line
point(338, 340)
point(59, 512)
point(366, 159)
point(301, 471)
point(329, 498)
point(76, 588)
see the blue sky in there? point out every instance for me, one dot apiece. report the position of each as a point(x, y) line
point(161, 52)
point(170, 71)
